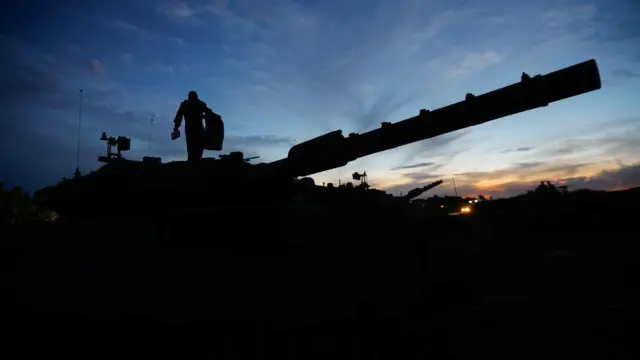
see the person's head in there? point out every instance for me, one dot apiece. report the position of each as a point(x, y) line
point(193, 95)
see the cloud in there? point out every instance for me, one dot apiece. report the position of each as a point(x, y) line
point(618, 179)
point(521, 177)
point(305, 69)
point(276, 37)
point(177, 40)
point(181, 11)
point(96, 68)
point(420, 178)
point(622, 143)
point(626, 73)
point(520, 149)
point(128, 27)
point(570, 15)
point(413, 166)
point(259, 141)
point(475, 62)
point(617, 24)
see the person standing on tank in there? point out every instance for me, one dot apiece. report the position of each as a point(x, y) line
point(193, 110)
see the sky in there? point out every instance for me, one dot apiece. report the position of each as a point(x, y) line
point(282, 71)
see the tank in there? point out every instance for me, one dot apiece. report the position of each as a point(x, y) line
point(268, 261)
point(149, 186)
point(414, 193)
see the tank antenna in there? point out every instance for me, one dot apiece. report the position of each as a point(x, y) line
point(77, 173)
point(153, 117)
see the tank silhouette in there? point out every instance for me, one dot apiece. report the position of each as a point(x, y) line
point(414, 193)
point(250, 248)
point(133, 186)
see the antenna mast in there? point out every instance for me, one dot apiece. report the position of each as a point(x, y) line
point(77, 173)
point(454, 185)
point(153, 117)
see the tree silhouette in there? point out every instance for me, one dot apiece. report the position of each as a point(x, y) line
point(16, 206)
point(13, 202)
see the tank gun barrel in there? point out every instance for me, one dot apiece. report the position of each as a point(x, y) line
point(421, 190)
point(333, 150)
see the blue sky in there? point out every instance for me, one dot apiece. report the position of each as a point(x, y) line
point(285, 71)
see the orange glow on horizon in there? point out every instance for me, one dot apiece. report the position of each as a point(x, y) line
point(500, 182)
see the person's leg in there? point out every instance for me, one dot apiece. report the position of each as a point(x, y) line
point(191, 155)
point(198, 149)
point(194, 144)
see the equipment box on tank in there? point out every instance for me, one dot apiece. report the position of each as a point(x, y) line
point(213, 133)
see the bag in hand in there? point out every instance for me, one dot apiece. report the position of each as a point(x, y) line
point(213, 132)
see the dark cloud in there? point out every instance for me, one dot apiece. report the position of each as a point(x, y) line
point(515, 168)
point(622, 178)
point(526, 165)
point(427, 171)
point(520, 149)
point(422, 176)
point(567, 169)
point(626, 73)
point(413, 166)
point(625, 142)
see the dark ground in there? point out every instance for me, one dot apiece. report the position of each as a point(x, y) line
point(520, 279)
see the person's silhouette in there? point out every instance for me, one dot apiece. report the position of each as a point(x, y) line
point(193, 110)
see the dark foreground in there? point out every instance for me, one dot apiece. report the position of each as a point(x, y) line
point(515, 280)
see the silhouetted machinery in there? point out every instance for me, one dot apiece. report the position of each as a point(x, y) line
point(421, 190)
point(333, 150)
point(362, 178)
point(233, 179)
point(121, 143)
point(237, 156)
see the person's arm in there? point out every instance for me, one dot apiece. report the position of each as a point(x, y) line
point(206, 110)
point(178, 120)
